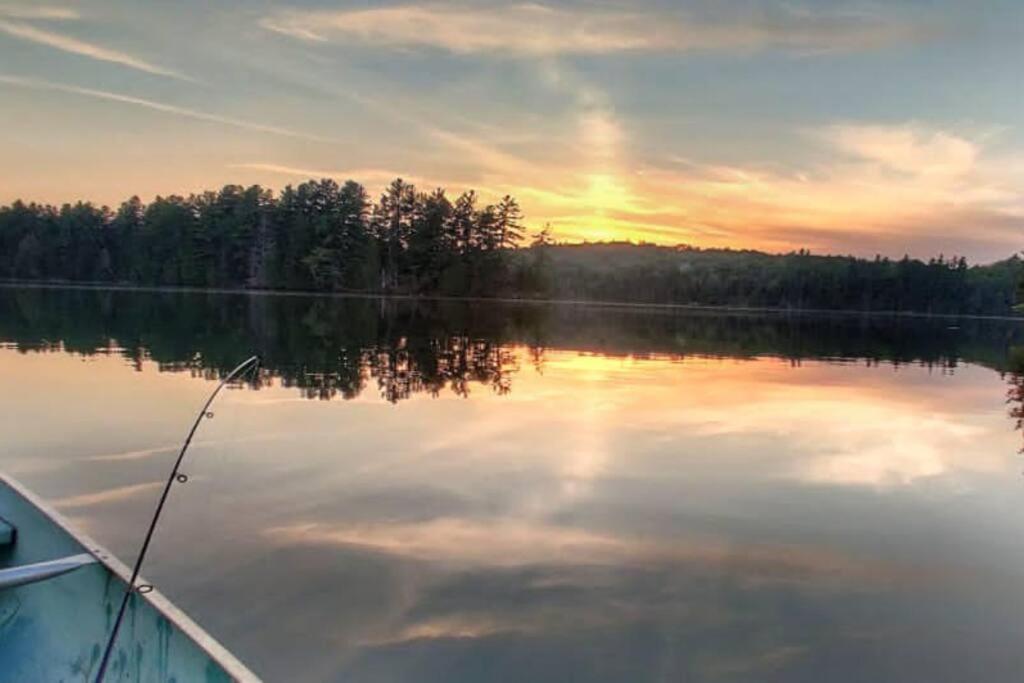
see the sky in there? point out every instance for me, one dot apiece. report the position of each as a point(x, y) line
point(841, 127)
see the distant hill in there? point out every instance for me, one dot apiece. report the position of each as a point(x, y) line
point(627, 272)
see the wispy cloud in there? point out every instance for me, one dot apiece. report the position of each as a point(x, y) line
point(539, 30)
point(38, 12)
point(358, 174)
point(65, 43)
point(372, 178)
point(491, 160)
point(244, 124)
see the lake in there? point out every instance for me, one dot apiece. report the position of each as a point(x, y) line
point(475, 492)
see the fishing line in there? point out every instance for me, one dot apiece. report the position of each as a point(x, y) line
point(174, 476)
point(211, 459)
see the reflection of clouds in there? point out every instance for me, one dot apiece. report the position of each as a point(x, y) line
point(899, 452)
point(381, 616)
point(581, 622)
point(133, 455)
point(570, 604)
point(841, 424)
point(846, 436)
point(113, 495)
point(461, 541)
point(614, 519)
point(505, 543)
point(144, 453)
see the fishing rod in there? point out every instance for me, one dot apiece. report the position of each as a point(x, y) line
point(174, 476)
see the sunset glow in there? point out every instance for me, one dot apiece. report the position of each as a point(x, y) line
point(718, 124)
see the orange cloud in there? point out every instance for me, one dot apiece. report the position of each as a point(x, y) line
point(880, 186)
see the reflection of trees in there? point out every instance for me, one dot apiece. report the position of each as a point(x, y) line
point(1015, 381)
point(325, 347)
point(402, 371)
point(1015, 397)
point(329, 347)
point(454, 362)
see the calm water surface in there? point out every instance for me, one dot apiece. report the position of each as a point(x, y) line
point(476, 493)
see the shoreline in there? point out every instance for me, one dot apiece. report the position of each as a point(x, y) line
point(617, 305)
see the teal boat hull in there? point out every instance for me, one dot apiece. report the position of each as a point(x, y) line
point(55, 629)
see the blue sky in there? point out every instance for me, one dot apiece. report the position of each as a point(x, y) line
point(839, 126)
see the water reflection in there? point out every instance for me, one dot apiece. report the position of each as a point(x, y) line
point(542, 493)
point(338, 347)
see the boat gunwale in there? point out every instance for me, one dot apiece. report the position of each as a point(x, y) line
point(203, 640)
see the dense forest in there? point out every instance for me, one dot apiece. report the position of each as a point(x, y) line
point(316, 236)
point(801, 280)
point(322, 236)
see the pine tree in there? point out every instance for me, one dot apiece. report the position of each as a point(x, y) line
point(429, 242)
point(509, 224)
point(393, 226)
point(462, 230)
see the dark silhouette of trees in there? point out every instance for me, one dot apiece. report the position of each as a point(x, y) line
point(798, 280)
point(314, 236)
point(322, 236)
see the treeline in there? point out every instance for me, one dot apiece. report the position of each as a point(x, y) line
point(317, 236)
point(799, 280)
point(321, 236)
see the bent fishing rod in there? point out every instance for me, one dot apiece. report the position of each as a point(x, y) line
point(175, 476)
